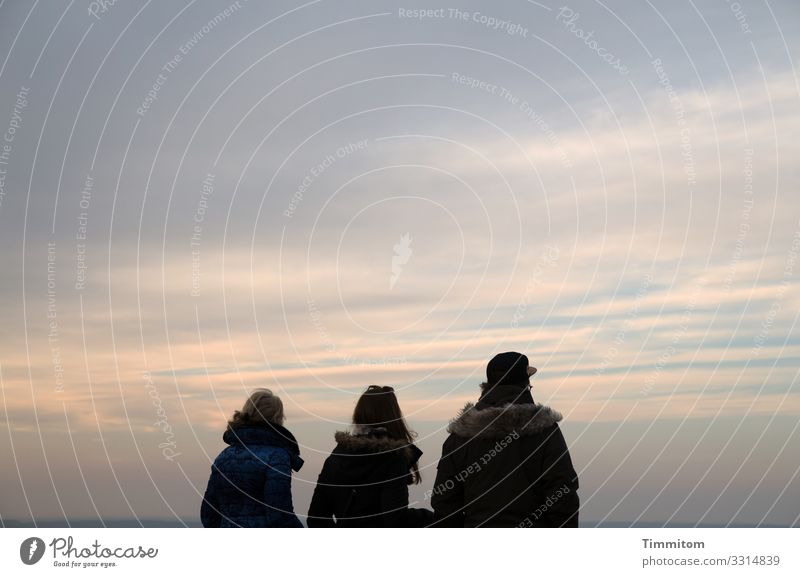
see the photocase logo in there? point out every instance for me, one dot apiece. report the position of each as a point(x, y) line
point(402, 252)
point(31, 550)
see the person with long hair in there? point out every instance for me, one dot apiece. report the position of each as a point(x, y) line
point(364, 482)
point(251, 480)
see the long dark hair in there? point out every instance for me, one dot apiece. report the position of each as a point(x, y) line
point(378, 407)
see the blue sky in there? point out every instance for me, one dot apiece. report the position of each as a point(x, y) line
point(608, 188)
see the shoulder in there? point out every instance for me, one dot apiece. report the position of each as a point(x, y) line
point(503, 420)
point(281, 458)
point(349, 444)
point(257, 454)
point(225, 455)
point(451, 443)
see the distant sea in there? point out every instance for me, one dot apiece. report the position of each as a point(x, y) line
point(96, 523)
point(161, 523)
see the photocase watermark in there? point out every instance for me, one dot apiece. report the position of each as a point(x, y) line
point(475, 83)
point(740, 15)
point(31, 550)
point(777, 303)
point(680, 118)
point(506, 26)
point(168, 446)
point(81, 233)
point(677, 336)
point(206, 190)
point(547, 259)
point(97, 8)
point(569, 18)
point(53, 338)
point(744, 223)
point(317, 170)
point(183, 50)
point(548, 503)
point(316, 320)
point(315, 315)
point(69, 555)
point(421, 13)
point(7, 145)
point(528, 110)
point(475, 467)
point(97, 555)
point(400, 258)
point(521, 104)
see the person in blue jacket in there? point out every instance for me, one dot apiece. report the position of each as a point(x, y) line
point(251, 479)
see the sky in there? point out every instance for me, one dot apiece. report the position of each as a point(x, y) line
point(200, 199)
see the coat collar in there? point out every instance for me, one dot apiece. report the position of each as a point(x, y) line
point(375, 441)
point(504, 395)
point(265, 434)
point(498, 421)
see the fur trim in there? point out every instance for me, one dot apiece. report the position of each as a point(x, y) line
point(497, 422)
point(368, 443)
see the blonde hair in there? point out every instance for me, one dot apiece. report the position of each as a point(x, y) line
point(262, 406)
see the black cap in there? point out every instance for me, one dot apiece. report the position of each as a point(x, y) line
point(508, 369)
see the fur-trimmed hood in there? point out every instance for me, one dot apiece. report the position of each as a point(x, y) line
point(498, 421)
point(375, 444)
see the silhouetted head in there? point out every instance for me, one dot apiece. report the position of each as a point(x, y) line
point(510, 368)
point(262, 406)
point(378, 408)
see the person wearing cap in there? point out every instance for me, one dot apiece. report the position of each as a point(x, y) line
point(505, 462)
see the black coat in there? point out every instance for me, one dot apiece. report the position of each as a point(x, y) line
point(505, 464)
point(364, 482)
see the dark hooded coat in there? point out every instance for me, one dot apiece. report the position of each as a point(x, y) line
point(505, 464)
point(364, 483)
point(251, 480)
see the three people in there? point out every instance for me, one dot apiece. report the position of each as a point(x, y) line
point(504, 464)
point(250, 483)
point(364, 482)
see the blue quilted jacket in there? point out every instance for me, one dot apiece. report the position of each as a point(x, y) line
point(251, 479)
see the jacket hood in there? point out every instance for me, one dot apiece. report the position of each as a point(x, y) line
point(376, 441)
point(498, 421)
point(265, 434)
